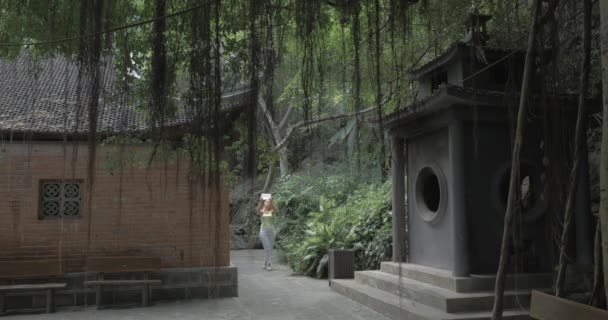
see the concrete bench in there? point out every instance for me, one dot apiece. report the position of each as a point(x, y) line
point(549, 307)
point(10, 271)
point(114, 265)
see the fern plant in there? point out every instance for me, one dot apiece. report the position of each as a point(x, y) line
point(346, 216)
point(330, 229)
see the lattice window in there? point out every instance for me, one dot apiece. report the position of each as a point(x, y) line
point(60, 199)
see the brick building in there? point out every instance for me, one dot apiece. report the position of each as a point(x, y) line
point(136, 209)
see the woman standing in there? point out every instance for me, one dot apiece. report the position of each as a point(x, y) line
point(267, 211)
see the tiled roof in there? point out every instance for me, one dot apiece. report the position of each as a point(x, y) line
point(43, 96)
point(448, 95)
point(439, 100)
point(443, 58)
point(453, 52)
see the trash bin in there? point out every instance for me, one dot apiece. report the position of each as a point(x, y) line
point(341, 264)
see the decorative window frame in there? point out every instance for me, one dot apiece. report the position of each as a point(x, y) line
point(539, 207)
point(423, 211)
point(66, 197)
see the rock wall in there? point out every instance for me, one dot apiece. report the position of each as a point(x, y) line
point(244, 223)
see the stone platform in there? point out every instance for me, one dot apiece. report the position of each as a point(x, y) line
point(263, 295)
point(414, 292)
point(177, 283)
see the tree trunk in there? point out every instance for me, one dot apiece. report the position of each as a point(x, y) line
point(579, 133)
point(382, 153)
point(514, 184)
point(281, 136)
point(603, 213)
point(279, 139)
point(357, 80)
point(398, 163)
point(597, 295)
point(269, 179)
point(250, 167)
point(283, 160)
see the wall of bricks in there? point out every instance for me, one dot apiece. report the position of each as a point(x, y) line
point(135, 210)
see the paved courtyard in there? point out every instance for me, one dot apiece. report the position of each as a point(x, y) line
point(262, 295)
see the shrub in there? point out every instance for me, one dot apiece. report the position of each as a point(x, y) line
point(332, 213)
point(296, 196)
point(373, 227)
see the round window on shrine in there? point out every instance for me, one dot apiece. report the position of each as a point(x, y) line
point(431, 193)
point(531, 198)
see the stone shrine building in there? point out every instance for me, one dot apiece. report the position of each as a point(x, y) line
point(451, 161)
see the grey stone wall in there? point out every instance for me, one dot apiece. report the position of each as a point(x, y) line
point(430, 243)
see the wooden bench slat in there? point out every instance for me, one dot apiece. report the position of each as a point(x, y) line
point(121, 282)
point(548, 307)
point(31, 268)
point(40, 286)
point(123, 264)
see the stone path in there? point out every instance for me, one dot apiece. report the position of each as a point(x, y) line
point(262, 295)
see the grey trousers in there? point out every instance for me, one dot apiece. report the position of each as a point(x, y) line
point(267, 237)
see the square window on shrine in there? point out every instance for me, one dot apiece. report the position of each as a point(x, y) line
point(439, 77)
point(60, 198)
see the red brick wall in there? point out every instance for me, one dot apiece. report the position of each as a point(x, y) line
point(134, 212)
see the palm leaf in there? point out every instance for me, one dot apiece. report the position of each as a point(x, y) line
point(322, 266)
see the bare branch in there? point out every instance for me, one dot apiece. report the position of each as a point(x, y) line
point(317, 120)
point(273, 127)
point(285, 117)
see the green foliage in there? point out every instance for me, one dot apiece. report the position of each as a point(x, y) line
point(202, 159)
point(124, 151)
point(238, 148)
point(121, 153)
point(332, 213)
point(308, 45)
point(373, 229)
point(297, 197)
point(132, 152)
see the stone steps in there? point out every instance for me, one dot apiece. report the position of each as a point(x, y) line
point(440, 298)
point(396, 307)
point(475, 283)
point(408, 291)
